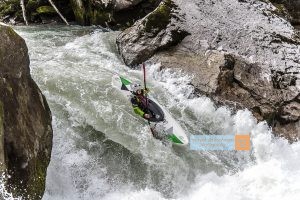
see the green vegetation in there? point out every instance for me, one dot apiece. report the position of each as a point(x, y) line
point(45, 10)
point(9, 7)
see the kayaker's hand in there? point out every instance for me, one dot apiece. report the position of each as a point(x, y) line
point(147, 116)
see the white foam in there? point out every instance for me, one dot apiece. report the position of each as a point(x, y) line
point(3, 192)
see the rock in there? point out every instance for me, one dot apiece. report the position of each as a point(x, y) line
point(155, 32)
point(290, 112)
point(125, 4)
point(25, 120)
point(290, 7)
point(237, 62)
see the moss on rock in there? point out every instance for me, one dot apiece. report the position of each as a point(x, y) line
point(159, 18)
point(99, 17)
point(45, 10)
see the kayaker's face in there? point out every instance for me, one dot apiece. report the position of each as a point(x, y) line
point(139, 91)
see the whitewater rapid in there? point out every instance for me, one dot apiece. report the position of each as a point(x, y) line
point(102, 150)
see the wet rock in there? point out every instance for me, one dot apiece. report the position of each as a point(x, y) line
point(45, 10)
point(125, 4)
point(25, 120)
point(239, 52)
point(290, 112)
point(151, 34)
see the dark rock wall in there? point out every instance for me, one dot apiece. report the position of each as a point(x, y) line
point(25, 120)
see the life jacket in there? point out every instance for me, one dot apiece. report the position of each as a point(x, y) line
point(142, 100)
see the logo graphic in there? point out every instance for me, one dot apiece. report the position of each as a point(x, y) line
point(242, 142)
point(220, 142)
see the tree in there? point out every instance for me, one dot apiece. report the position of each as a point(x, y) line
point(61, 16)
point(24, 12)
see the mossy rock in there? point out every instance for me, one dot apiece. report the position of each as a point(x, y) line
point(159, 18)
point(45, 10)
point(99, 17)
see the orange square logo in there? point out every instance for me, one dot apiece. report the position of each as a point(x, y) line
point(242, 142)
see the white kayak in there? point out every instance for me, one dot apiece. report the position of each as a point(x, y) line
point(162, 124)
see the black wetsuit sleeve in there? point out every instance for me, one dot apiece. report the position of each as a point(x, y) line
point(134, 101)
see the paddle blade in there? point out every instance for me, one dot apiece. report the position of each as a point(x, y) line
point(123, 87)
point(125, 81)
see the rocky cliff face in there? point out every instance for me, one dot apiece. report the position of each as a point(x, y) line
point(25, 120)
point(240, 53)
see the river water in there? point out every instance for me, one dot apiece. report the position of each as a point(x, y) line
point(102, 150)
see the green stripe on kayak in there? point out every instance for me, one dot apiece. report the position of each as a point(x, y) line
point(125, 81)
point(174, 139)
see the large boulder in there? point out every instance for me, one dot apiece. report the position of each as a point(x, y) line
point(159, 30)
point(240, 53)
point(25, 121)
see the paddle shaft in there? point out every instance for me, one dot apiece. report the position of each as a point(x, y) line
point(145, 83)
